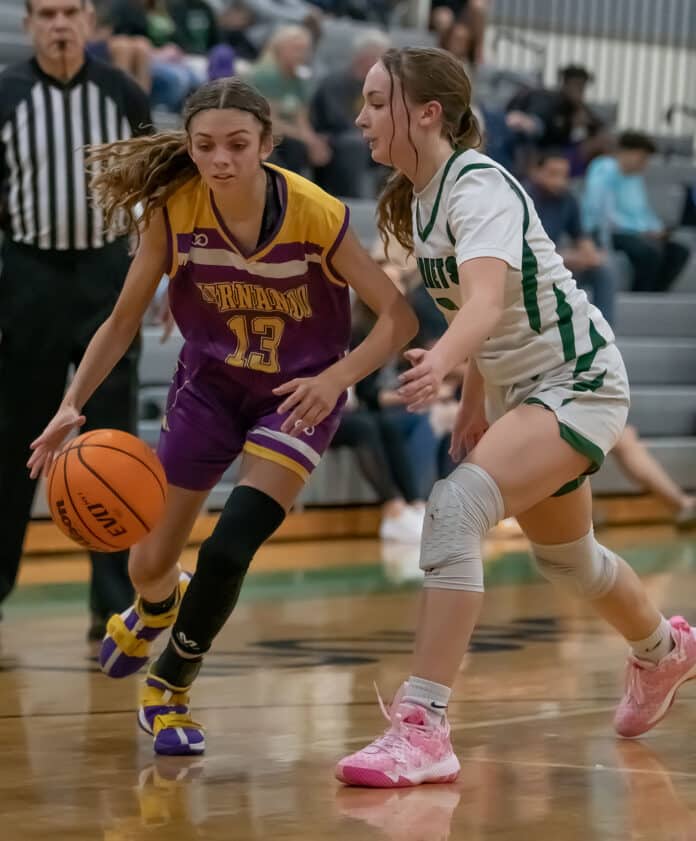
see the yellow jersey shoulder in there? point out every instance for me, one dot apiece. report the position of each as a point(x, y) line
point(188, 207)
point(314, 215)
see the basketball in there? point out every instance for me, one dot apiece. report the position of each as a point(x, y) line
point(106, 490)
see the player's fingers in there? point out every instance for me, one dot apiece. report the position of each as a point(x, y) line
point(36, 442)
point(294, 423)
point(455, 451)
point(287, 387)
point(414, 355)
point(36, 463)
point(420, 402)
point(422, 385)
point(414, 373)
point(292, 400)
point(48, 464)
point(315, 416)
point(308, 416)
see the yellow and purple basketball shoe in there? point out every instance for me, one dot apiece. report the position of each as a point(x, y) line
point(415, 749)
point(164, 713)
point(129, 635)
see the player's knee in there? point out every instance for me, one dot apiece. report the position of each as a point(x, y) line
point(248, 519)
point(583, 567)
point(460, 510)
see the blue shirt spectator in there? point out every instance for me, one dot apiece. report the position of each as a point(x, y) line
point(559, 212)
point(617, 212)
point(617, 198)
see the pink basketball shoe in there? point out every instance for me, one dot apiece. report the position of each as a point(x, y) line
point(650, 688)
point(415, 749)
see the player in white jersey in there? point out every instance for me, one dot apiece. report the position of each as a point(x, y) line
point(544, 399)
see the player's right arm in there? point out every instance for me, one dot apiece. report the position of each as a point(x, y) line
point(109, 343)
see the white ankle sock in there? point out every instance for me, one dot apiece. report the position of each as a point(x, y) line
point(433, 696)
point(657, 645)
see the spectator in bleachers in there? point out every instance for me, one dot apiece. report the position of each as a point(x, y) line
point(559, 211)
point(172, 76)
point(617, 210)
point(283, 11)
point(470, 18)
point(268, 14)
point(196, 24)
point(425, 436)
point(334, 109)
point(384, 463)
point(130, 53)
point(371, 11)
point(635, 461)
point(280, 75)
point(561, 118)
point(235, 22)
point(409, 439)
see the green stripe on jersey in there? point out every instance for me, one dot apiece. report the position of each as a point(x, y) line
point(424, 233)
point(529, 262)
point(591, 385)
point(565, 324)
point(586, 361)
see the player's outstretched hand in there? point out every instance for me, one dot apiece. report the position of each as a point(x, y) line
point(309, 400)
point(469, 427)
point(47, 445)
point(421, 385)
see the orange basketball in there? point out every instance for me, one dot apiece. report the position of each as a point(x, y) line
point(106, 490)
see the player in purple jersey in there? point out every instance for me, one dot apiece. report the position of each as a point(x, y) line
point(259, 261)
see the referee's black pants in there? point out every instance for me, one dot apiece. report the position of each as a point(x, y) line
point(51, 303)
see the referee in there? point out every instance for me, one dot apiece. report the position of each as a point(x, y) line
point(61, 270)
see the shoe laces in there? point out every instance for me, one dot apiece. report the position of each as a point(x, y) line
point(636, 682)
point(179, 715)
point(635, 688)
point(395, 742)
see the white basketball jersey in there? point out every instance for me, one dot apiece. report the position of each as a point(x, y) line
point(473, 207)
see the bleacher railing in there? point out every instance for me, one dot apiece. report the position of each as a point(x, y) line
point(641, 52)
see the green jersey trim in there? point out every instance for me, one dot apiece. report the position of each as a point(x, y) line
point(565, 324)
point(424, 233)
point(577, 441)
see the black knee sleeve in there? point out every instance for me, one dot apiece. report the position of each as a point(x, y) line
point(248, 519)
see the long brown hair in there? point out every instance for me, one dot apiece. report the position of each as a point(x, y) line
point(147, 171)
point(425, 74)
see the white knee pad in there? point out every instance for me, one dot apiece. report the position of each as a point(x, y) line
point(584, 567)
point(461, 509)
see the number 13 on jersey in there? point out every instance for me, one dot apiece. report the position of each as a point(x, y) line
point(269, 329)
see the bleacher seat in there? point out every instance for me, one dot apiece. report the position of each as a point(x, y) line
point(335, 45)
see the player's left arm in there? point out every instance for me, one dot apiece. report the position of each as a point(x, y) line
point(312, 399)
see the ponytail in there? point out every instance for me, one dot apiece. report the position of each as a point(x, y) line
point(467, 135)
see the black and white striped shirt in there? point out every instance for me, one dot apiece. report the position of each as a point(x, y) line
point(44, 126)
